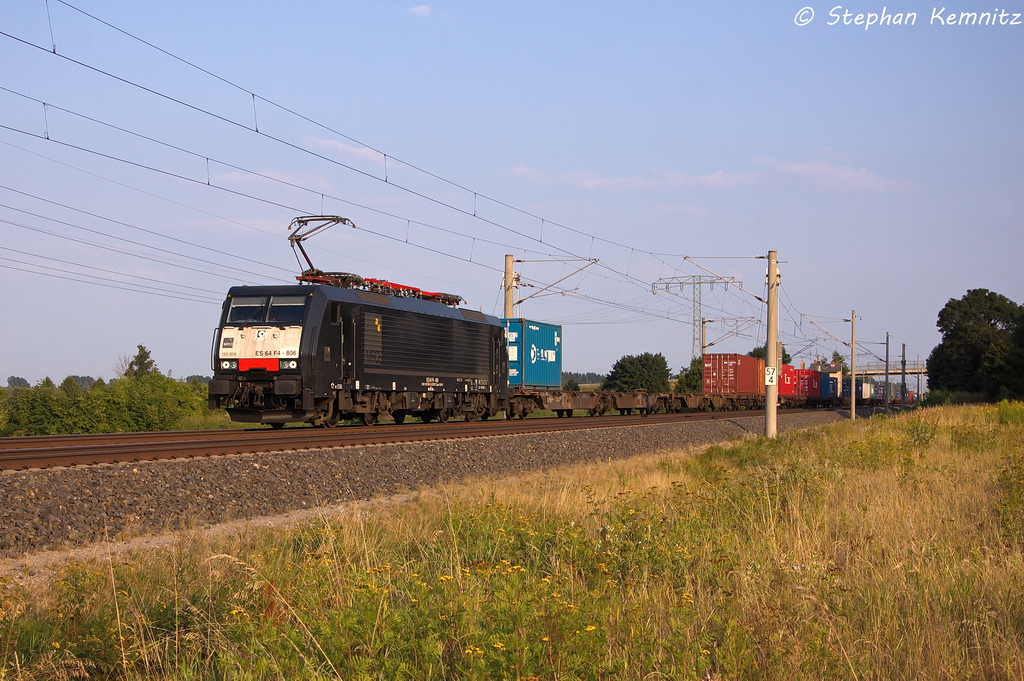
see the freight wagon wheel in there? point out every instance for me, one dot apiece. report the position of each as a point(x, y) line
point(470, 416)
point(399, 418)
point(484, 416)
point(277, 426)
point(442, 415)
point(369, 418)
point(426, 417)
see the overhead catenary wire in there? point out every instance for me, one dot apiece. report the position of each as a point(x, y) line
point(197, 210)
point(281, 205)
point(384, 155)
point(216, 294)
point(296, 147)
point(132, 289)
point(627, 277)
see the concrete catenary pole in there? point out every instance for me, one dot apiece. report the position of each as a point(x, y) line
point(903, 379)
point(853, 365)
point(771, 392)
point(885, 394)
point(509, 286)
point(703, 340)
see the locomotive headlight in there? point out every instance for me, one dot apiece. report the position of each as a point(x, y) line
point(290, 364)
point(229, 364)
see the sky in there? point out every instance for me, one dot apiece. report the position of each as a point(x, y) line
point(153, 154)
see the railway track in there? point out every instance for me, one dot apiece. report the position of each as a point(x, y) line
point(19, 453)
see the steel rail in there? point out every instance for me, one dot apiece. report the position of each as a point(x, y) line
point(51, 451)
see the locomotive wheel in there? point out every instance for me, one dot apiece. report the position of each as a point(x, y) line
point(442, 415)
point(369, 418)
point(399, 418)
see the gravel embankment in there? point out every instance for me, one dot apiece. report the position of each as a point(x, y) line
point(47, 509)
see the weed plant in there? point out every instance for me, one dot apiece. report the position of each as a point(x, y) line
point(875, 549)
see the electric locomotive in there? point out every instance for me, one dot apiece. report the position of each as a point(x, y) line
point(320, 353)
point(337, 346)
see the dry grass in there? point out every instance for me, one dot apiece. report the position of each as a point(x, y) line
point(875, 549)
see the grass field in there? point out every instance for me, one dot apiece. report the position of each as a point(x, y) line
point(877, 549)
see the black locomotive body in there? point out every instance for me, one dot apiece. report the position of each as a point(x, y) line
point(321, 353)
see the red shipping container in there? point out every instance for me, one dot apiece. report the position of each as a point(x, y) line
point(808, 383)
point(787, 380)
point(732, 373)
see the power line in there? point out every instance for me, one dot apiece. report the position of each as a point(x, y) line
point(129, 241)
point(385, 156)
point(296, 147)
point(100, 269)
point(148, 231)
point(98, 283)
point(198, 210)
point(292, 208)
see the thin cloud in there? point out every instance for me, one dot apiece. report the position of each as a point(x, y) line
point(364, 153)
point(586, 179)
point(828, 176)
point(421, 10)
point(815, 173)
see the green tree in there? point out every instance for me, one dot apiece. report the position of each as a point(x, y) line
point(691, 379)
point(16, 382)
point(759, 352)
point(141, 365)
point(840, 361)
point(570, 384)
point(71, 388)
point(975, 354)
point(648, 372)
point(36, 410)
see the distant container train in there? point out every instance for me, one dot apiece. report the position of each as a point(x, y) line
point(338, 346)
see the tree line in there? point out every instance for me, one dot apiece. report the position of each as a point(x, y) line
point(140, 399)
point(982, 348)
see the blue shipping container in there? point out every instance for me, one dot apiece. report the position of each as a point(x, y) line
point(829, 385)
point(534, 354)
point(864, 390)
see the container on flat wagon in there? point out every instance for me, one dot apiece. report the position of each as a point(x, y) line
point(864, 389)
point(726, 373)
point(829, 385)
point(808, 382)
point(787, 380)
point(534, 354)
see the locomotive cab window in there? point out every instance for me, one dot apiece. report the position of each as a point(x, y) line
point(247, 310)
point(286, 309)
